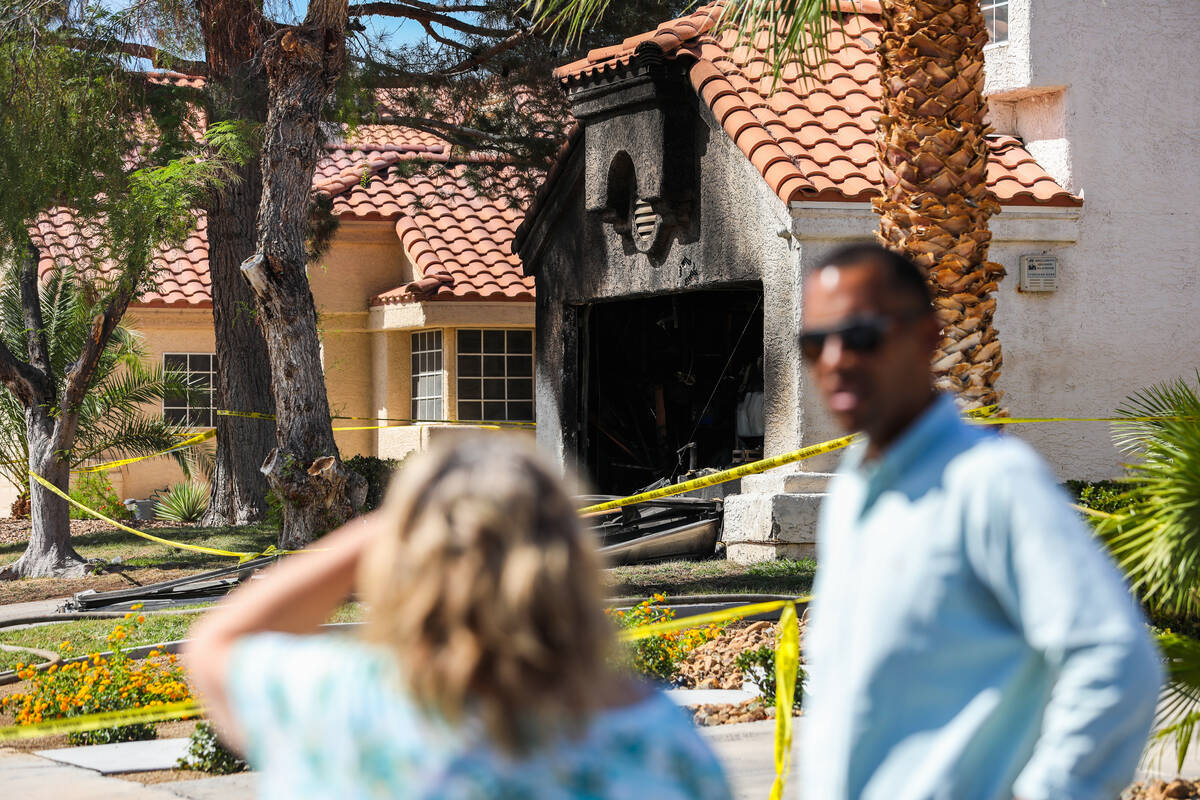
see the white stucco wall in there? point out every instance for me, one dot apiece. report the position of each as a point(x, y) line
point(1105, 96)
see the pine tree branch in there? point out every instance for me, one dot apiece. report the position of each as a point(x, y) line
point(427, 13)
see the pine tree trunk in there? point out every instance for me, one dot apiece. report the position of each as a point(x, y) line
point(305, 469)
point(236, 89)
point(936, 203)
point(49, 552)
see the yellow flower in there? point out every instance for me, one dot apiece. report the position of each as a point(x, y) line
point(137, 606)
point(141, 618)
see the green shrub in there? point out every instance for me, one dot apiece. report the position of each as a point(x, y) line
point(207, 754)
point(377, 472)
point(185, 502)
point(274, 516)
point(1107, 496)
point(93, 490)
point(759, 667)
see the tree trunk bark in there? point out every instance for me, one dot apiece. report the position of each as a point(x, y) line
point(243, 366)
point(49, 553)
point(306, 471)
point(234, 31)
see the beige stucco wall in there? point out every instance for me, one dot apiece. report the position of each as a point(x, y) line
point(365, 351)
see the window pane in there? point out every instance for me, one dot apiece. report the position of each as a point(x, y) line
point(176, 416)
point(205, 418)
point(469, 390)
point(470, 366)
point(200, 380)
point(520, 389)
point(520, 366)
point(200, 363)
point(470, 411)
point(494, 411)
point(520, 341)
point(175, 399)
point(493, 366)
point(175, 361)
point(521, 412)
point(493, 389)
point(493, 341)
point(469, 342)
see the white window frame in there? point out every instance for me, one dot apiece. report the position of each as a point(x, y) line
point(518, 389)
point(197, 415)
point(990, 9)
point(427, 361)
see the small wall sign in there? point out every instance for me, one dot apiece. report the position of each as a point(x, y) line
point(1039, 273)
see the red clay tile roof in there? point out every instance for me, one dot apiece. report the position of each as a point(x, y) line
point(459, 240)
point(810, 140)
point(181, 272)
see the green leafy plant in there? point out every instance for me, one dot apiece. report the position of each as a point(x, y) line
point(1106, 496)
point(186, 501)
point(1155, 537)
point(377, 472)
point(206, 753)
point(759, 667)
point(113, 421)
point(274, 515)
point(94, 490)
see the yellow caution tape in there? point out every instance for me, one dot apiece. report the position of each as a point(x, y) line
point(725, 475)
point(404, 423)
point(105, 719)
point(787, 665)
point(191, 441)
point(710, 618)
point(194, 547)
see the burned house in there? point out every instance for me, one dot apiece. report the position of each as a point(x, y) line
point(667, 246)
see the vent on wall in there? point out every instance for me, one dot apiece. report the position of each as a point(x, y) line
point(1039, 273)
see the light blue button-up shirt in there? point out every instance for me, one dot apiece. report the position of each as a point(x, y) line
point(969, 640)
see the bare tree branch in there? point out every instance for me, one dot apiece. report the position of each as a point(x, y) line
point(159, 58)
point(36, 346)
point(426, 12)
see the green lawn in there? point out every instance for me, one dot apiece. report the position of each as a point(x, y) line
point(91, 635)
point(135, 551)
point(712, 576)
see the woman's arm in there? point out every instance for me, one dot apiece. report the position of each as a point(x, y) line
point(295, 596)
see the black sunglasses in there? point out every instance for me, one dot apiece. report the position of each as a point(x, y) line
point(862, 334)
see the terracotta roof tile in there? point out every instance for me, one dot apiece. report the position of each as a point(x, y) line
point(809, 138)
point(459, 241)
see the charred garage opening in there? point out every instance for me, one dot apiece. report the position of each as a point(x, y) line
point(670, 384)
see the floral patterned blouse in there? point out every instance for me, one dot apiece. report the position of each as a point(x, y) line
point(325, 718)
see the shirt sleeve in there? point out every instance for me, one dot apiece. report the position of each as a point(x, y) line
point(1061, 590)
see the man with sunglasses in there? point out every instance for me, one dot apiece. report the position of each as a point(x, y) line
point(969, 640)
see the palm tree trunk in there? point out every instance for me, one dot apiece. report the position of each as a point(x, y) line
point(936, 203)
point(302, 63)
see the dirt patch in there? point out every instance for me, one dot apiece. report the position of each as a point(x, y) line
point(1164, 790)
point(711, 665)
point(15, 531)
point(163, 776)
point(27, 589)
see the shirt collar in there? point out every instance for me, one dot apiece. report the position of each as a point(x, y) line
point(934, 422)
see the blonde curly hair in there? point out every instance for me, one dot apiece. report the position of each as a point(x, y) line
point(489, 592)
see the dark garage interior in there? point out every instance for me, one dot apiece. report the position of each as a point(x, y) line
point(670, 384)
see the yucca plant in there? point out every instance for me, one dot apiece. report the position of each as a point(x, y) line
point(113, 420)
point(184, 502)
point(1156, 537)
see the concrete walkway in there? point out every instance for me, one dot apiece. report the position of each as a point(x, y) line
point(34, 608)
